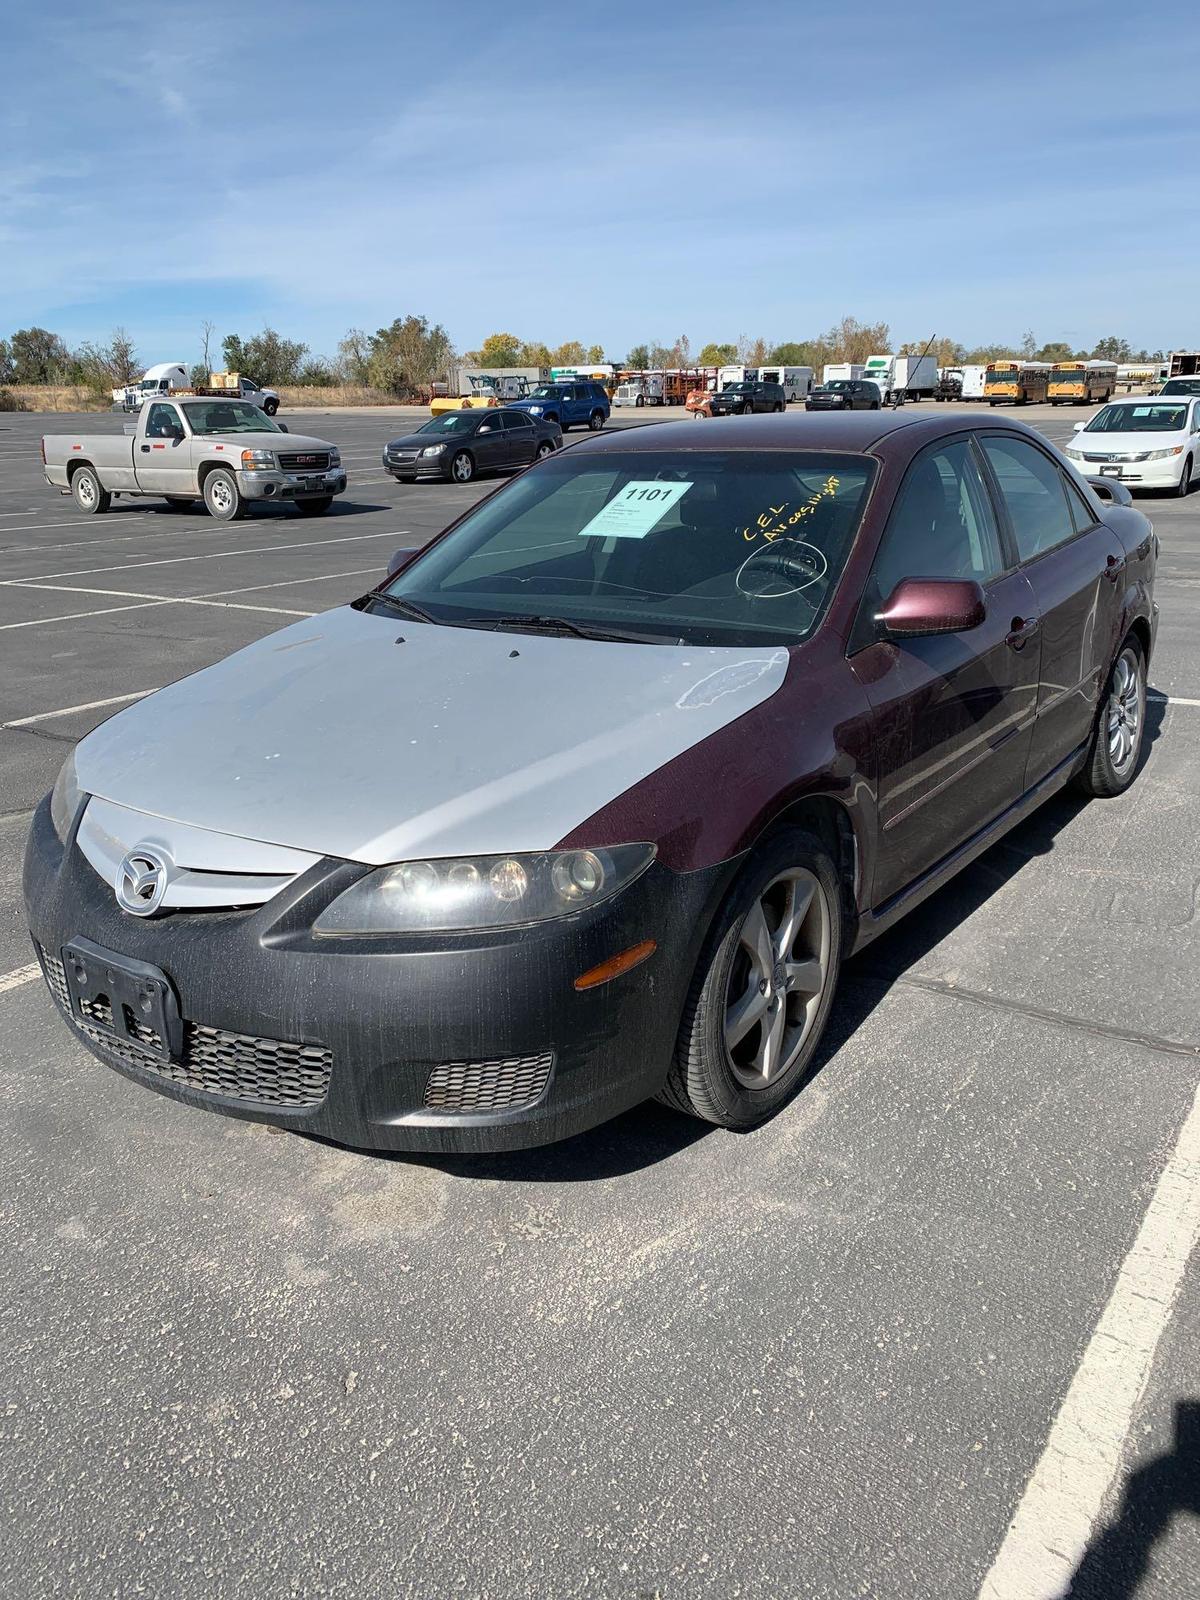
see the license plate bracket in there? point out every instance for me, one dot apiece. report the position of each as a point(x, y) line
point(123, 998)
point(1110, 472)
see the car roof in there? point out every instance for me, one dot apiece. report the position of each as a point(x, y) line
point(855, 431)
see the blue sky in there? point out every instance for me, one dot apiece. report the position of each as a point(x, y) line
point(615, 174)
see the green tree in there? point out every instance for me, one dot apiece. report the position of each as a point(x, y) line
point(1029, 345)
point(6, 362)
point(717, 355)
point(571, 354)
point(638, 358)
point(38, 356)
point(595, 353)
point(1110, 349)
point(234, 352)
point(272, 359)
point(1057, 351)
point(407, 356)
point(500, 350)
point(354, 356)
point(533, 354)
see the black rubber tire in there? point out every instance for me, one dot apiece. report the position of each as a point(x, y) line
point(1099, 777)
point(1184, 486)
point(461, 468)
point(544, 449)
point(640, 401)
point(779, 408)
point(596, 421)
point(876, 404)
point(230, 509)
point(700, 1081)
point(87, 493)
point(270, 407)
point(314, 508)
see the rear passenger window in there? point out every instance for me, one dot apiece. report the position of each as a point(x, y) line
point(1035, 493)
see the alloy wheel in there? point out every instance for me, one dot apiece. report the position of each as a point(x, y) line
point(1124, 711)
point(779, 974)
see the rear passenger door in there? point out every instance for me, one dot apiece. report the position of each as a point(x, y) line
point(954, 711)
point(520, 437)
point(1076, 568)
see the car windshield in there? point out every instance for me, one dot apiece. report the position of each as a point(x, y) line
point(228, 416)
point(738, 388)
point(546, 391)
point(1181, 386)
point(839, 385)
point(451, 422)
point(1139, 418)
point(704, 546)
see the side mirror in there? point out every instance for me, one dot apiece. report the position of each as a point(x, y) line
point(1078, 427)
point(282, 426)
point(400, 559)
point(918, 607)
point(486, 427)
point(1111, 490)
point(178, 435)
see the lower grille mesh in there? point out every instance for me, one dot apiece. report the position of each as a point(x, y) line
point(510, 1084)
point(237, 1066)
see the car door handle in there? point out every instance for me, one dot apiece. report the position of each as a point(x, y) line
point(1114, 566)
point(1022, 630)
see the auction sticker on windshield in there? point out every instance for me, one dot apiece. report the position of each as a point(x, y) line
point(632, 513)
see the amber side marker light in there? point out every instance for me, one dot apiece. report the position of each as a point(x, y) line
point(616, 965)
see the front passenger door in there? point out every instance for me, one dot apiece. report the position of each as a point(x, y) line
point(520, 438)
point(491, 449)
point(954, 711)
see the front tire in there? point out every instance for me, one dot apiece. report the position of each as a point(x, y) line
point(314, 508)
point(222, 497)
point(596, 421)
point(89, 496)
point(763, 987)
point(1120, 726)
point(1184, 486)
point(462, 468)
point(270, 407)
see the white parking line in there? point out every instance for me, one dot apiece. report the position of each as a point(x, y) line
point(1066, 1494)
point(212, 555)
point(20, 975)
point(1171, 699)
point(76, 616)
point(146, 602)
point(67, 711)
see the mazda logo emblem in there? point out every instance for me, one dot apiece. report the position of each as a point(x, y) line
point(142, 881)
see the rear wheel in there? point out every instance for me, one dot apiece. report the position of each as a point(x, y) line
point(763, 988)
point(544, 449)
point(314, 508)
point(462, 468)
point(1184, 486)
point(222, 496)
point(1120, 726)
point(89, 496)
point(270, 407)
point(596, 421)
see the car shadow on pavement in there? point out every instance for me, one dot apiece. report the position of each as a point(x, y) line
point(651, 1132)
point(1118, 1557)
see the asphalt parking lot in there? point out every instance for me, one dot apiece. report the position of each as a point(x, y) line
point(822, 1359)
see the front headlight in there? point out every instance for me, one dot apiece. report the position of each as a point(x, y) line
point(1162, 455)
point(258, 461)
point(1075, 455)
point(483, 892)
point(65, 799)
point(535, 411)
point(335, 457)
point(433, 449)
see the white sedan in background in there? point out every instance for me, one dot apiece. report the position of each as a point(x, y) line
point(1147, 441)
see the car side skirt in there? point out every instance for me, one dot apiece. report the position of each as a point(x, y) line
point(883, 917)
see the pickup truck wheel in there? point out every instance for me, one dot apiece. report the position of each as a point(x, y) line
point(270, 407)
point(462, 468)
point(314, 508)
point(89, 496)
point(222, 496)
point(596, 421)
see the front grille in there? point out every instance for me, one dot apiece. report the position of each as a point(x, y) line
point(237, 1066)
point(304, 460)
point(511, 1084)
point(402, 455)
point(1116, 457)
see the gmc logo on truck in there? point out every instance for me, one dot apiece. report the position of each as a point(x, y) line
point(306, 461)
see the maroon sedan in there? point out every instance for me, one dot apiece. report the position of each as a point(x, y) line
point(588, 801)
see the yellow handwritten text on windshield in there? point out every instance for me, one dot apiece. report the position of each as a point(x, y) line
point(776, 521)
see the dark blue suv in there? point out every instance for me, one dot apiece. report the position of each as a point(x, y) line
point(568, 403)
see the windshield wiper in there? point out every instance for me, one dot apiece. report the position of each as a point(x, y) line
point(406, 608)
point(576, 630)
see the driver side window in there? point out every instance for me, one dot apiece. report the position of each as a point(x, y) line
point(942, 524)
point(163, 423)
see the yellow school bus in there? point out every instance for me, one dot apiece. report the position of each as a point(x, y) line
point(1082, 382)
point(1018, 382)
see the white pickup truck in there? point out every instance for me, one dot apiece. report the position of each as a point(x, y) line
point(223, 451)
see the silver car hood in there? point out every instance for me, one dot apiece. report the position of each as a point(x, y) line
point(265, 441)
point(334, 737)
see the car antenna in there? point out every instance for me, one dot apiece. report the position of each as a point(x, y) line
point(921, 357)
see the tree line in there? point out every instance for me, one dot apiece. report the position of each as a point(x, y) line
point(406, 357)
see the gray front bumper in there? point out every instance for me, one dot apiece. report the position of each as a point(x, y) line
point(292, 485)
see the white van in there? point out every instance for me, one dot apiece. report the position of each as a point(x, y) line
point(796, 381)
